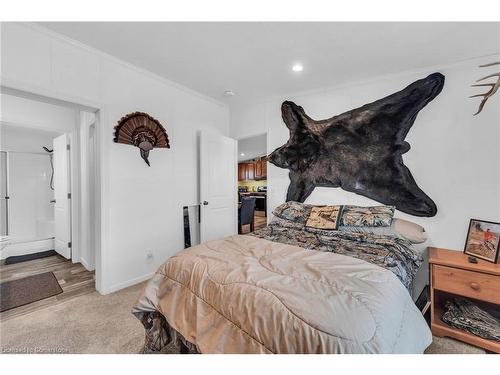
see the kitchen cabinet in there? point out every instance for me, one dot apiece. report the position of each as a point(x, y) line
point(246, 171)
point(258, 169)
point(242, 171)
point(261, 169)
point(252, 170)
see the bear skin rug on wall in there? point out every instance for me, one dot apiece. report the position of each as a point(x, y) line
point(359, 150)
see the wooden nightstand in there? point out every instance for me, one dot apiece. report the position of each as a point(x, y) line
point(451, 274)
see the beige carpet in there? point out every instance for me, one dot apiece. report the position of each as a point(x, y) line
point(445, 345)
point(91, 323)
point(103, 324)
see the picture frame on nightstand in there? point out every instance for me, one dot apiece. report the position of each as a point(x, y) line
point(483, 240)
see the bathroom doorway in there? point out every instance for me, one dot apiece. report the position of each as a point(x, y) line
point(49, 209)
point(28, 191)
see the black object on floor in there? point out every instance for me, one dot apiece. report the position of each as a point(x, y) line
point(423, 303)
point(25, 258)
point(29, 289)
point(187, 229)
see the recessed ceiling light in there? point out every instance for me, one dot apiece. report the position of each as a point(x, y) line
point(242, 154)
point(297, 68)
point(229, 93)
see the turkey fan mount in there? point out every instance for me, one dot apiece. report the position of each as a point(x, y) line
point(360, 150)
point(143, 131)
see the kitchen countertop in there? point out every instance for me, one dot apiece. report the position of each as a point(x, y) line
point(257, 194)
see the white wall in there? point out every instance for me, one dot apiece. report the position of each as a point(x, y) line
point(142, 206)
point(40, 115)
point(454, 156)
point(21, 139)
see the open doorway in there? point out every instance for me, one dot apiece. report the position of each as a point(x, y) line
point(49, 190)
point(28, 204)
point(252, 183)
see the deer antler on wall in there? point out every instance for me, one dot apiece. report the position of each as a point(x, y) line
point(491, 91)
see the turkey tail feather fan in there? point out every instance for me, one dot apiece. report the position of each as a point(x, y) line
point(141, 130)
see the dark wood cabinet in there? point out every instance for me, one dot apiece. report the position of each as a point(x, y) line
point(252, 171)
point(258, 169)
point(242, 172)
point(261, 169)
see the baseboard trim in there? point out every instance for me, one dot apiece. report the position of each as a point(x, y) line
point(86, 265)
point(125, 284)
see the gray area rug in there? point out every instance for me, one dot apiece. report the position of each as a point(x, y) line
point(103, 324)
point(29, 289)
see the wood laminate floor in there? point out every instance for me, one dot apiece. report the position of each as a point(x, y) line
point(259, 221)
point(74, 279)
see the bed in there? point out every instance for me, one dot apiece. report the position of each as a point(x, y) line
point(290, 287)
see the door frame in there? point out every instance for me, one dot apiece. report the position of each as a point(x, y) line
point(87, 186)
point(253, 135)
point(101, 185)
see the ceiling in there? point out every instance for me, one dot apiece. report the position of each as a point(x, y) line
point(254, 59)
point(23, 131)
point(252, 147)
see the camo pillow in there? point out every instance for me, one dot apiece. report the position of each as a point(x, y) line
point(338, 216)
point(375, 216)
point(293, 211)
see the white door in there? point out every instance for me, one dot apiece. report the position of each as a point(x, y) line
point(61, 194)
point(218, 186)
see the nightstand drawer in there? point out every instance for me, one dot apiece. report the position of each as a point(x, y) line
point(471, 284)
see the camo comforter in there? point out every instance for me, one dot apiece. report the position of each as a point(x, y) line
point(390, 252)
point(265, 293)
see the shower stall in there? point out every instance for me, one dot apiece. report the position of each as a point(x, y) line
point(27, 204)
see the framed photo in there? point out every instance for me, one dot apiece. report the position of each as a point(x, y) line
point(483, 240)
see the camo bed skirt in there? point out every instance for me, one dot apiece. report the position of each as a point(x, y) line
point(160, 337)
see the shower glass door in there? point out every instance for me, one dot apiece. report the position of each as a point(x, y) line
point(30, 214)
